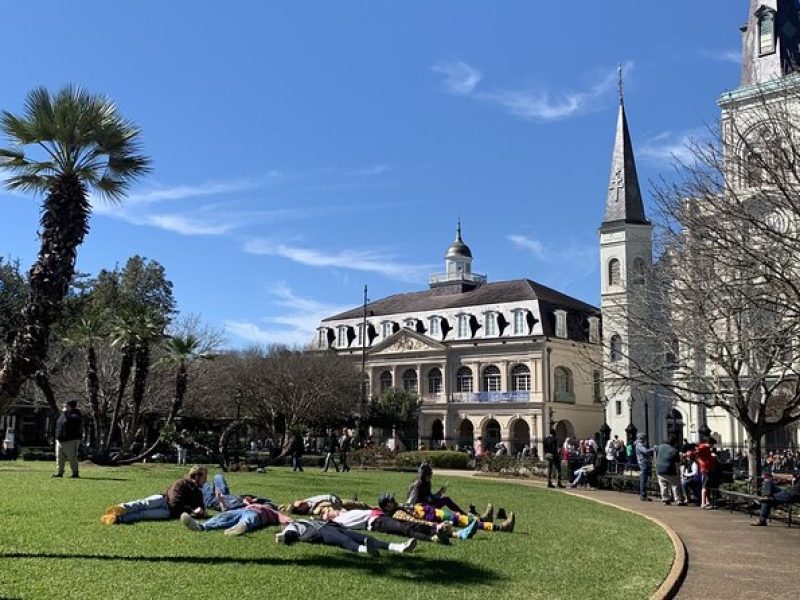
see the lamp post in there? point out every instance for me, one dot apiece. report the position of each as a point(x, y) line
point(237, 398)
point(362, 405)
point(630, 430)
point(605, 430)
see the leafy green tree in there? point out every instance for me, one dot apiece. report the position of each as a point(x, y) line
point(395, 409)
point(81, 143)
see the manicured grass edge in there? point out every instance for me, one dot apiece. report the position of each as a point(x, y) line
point(671, 584)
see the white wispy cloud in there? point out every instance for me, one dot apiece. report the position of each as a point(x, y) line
point(531, 103)
point(293, 324)
point(459, 77)
point(185, 225)
point(373, 261)
point(560, 266)
point(731, 56)
point(669, 146)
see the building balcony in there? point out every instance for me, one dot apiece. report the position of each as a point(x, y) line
point(455, 277)
point(481, 397)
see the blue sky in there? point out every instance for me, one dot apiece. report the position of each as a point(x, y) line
point(304, 149)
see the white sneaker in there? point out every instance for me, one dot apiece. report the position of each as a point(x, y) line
point(407, 546)
point(187, 520)
point(238, 529)
point(280, 538)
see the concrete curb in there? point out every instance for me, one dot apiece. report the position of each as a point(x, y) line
point(680, 564)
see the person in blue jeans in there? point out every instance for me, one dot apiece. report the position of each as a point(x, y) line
point(240, 520)
point(218, 496)
point(644, 456)
point(184, 495)
point(773, 495)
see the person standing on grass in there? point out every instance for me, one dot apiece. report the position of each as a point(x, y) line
point(294, 447)
point(344, 449)
point(68, 438)
point(331, 448)
point(644, 456)
point(667, 464)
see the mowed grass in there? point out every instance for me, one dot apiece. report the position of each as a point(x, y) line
point(52, 544)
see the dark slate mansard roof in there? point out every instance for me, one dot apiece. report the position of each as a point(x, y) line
point(501, 292)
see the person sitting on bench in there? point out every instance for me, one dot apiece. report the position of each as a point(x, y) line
point(774, 496)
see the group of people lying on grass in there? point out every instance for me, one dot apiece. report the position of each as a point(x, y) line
point(326, 518)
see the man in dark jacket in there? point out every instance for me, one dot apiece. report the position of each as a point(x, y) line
point(667, 464)
point(550, 447)
point(344, 449)
point(68, 438)
point(331, 448)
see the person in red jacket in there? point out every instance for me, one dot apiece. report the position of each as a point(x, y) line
point(707, 464)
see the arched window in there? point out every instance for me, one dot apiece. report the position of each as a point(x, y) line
point(491, 379)
point(766, 32)
point(464, 379)
point(519, 322)
point(639, 270)
point(520, 379)
point(615, 353)
point(435, 381)
point(614, 272)
point(562, 385)
point(673, 353)
point(563, 379)
point(386, 381)
point(410, 380)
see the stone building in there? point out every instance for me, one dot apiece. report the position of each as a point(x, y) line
point(501, 360)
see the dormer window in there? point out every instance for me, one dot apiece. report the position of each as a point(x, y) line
point(594, 330)
point(386, 329)
point(561, 323)
point(519, 322)
point(433, 326)
point(490, 324)
point(410, 323)
point(341, 337)
point(322, 338)
point(463, 326)
point(766, 31)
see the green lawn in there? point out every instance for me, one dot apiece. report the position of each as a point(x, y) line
point(52, 544)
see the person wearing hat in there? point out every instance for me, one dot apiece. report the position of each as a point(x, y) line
point(68, 438)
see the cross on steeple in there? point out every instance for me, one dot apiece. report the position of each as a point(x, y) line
point(617, 184)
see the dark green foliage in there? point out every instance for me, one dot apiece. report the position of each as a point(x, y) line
point(395, 408)
point(439, 459)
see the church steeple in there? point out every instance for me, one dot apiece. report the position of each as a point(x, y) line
point(770, 41)
point(624, 200)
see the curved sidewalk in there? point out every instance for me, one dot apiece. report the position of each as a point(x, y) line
point(726, 557)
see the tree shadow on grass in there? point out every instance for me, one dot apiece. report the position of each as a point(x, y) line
point(424, 570)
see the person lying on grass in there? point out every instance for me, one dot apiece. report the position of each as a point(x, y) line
point(380, 519)
point(333, 534)
point(239, 521)
point(314, 505)
point(218, 496)
point(184, 495)
point(430, 513)
point(420, 492)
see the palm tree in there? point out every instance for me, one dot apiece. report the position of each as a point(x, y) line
point(82, 144)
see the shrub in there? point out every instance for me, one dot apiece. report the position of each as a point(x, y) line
point(439, 459)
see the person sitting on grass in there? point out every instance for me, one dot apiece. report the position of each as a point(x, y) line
point(316, 504)
point(432, 514)
point(184, 495)
point(421, 492)
point(333, 534)
point(774, 496)
point(239, 521)
point(381, 520)
point(218, 496)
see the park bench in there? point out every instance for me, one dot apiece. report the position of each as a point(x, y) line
point(749, 502)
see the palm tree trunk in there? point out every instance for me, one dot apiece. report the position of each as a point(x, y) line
point(124, 375)
point(92, 391)
point(64, 223)
point(140, 373)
